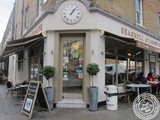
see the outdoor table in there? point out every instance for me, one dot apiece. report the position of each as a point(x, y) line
point(21, 89)
point(23, 86)
point(139, 86)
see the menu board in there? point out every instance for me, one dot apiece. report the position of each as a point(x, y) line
point(34, 92)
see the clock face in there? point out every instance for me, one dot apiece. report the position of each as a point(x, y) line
point(71, 14)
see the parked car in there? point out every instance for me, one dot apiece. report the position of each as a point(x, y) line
point(110, 72)
point(111, 68)
point(132, 75)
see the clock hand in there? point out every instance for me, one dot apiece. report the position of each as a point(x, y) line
point(73, 10)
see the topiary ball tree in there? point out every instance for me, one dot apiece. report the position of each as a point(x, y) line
point(92, 69)
point(48, 72)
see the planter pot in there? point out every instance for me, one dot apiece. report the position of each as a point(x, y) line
point(50, 92)
point(93, 98)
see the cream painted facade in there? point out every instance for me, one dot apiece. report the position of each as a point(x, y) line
point(91, 28)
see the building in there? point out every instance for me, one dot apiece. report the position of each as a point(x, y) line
point(69, 34)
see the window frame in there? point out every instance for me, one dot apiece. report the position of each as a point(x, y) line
point(20, 61)
point(139, 12)
point(26, 17)
point(40, 11)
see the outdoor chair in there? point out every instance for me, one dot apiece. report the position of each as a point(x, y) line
point(10, 89)
point(137, 82)
point(130, 92)
point(21, 90)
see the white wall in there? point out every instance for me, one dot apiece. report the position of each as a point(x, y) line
point(146, 63)
point(12, 69)
point(48, 54)
point(22, 75)
point(55, 22)
point(98, 56)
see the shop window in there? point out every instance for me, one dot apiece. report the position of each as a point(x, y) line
point(138, 9)
point(36, 61)
point(20, 60)
point(159, 24)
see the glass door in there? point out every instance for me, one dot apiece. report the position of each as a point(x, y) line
point(72, 68)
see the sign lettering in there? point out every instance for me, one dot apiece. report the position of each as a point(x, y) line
point(139, 37)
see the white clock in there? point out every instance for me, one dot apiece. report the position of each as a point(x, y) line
point(71, 14)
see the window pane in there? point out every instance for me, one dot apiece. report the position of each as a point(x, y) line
point(138, 17)
point(40, 7)
point(138, 5)
point(138, 9)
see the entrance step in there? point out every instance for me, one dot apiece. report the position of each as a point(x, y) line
point(71, 103)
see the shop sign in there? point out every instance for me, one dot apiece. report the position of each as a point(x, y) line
point(147, 47)
point(140, 37)
point(35, 92)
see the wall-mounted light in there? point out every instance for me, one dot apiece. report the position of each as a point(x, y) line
point(129, 53)
point(44, 53)
point(102, 53)
point(92, 51)
point(52, 52)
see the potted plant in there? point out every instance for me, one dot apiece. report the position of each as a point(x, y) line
point(92, 69)
point(48, 72)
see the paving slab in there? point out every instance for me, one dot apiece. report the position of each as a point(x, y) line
point(10, 108)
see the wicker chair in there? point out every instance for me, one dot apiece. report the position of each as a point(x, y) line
point(130, 92)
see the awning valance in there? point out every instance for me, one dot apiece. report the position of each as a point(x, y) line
point(19, 44)
point(132, 41)
point(129, 41)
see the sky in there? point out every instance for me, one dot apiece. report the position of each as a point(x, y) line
point(6, 7)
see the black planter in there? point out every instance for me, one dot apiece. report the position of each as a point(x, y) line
point(93, 98)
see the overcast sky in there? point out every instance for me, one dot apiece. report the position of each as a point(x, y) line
point(5, 11)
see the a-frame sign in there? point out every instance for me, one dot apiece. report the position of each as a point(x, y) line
point(35, 92)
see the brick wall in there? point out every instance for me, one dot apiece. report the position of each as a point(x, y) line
point(125, 9)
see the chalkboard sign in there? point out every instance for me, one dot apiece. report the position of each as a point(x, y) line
point(34, 92)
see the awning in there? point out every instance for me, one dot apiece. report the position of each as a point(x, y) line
point(20, 44)
point(120, 46)
point(131, 41)
point(147, 47)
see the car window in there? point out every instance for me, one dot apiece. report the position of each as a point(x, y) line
point(109, 68)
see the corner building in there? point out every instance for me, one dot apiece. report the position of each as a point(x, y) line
point(69, 34)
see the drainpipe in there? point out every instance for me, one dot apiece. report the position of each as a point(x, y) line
point(116, 52)
point(127, 69)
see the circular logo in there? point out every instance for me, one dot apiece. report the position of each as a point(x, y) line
point(146, 106)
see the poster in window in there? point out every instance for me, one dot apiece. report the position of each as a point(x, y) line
point(80, 75)
point(152, 58)
point(65, 58)
point(28, 104)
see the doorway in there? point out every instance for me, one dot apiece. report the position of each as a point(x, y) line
point(72, 67)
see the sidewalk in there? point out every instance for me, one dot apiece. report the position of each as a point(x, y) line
point(10, 110)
